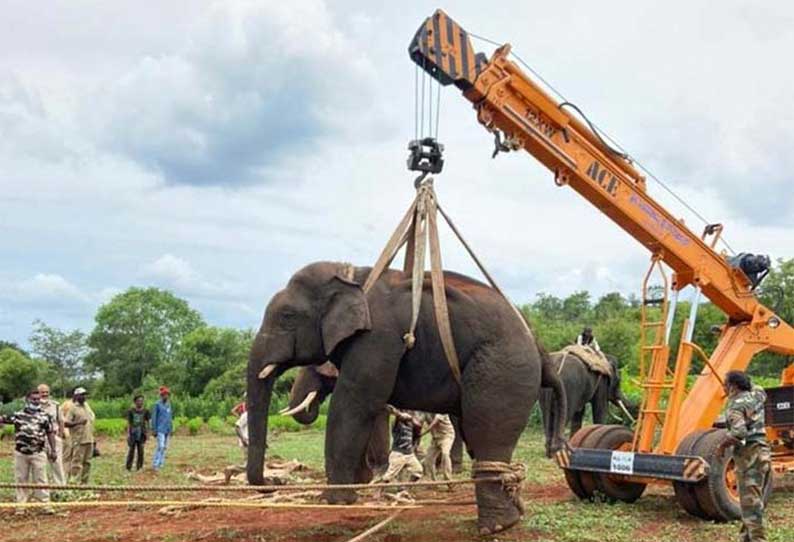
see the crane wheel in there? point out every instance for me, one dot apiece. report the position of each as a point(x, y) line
point(685, 492)
point(718, 494)
point(615, 437)
point(581, 483)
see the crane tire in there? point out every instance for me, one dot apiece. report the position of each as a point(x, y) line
point(717, 493)
point(575, 478)
point(685, 492)
point(615, 437)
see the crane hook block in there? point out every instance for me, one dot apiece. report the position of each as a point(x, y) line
point(427, 155)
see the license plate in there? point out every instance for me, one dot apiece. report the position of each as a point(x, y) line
point(622, 463)
point(784, 406)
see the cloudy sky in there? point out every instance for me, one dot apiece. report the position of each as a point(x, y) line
point(212, 148)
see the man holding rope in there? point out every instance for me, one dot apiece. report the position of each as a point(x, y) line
point(33, 429)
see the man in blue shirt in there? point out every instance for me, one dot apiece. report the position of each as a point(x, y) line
point(162, 427)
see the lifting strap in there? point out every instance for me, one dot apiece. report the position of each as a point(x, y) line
point(417, 229)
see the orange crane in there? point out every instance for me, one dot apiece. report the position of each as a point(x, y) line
point(675, 438)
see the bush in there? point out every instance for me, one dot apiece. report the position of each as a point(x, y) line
point(180, 422)
point(6, 431)
point(194, 425)
point(216, 425)
point(111, 427)
point(286, 423)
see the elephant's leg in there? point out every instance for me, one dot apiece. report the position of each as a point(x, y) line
point(498, 392)
point(546, 404)
point(358, 399)
point(457, 447)
point(600, 402)
point(576, 421)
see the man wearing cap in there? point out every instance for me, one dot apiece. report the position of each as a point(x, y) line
point(162, 427)
point(32, 429)
point(53, 409)
point(80, 422)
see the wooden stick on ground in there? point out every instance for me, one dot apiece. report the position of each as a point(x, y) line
point(375, 528)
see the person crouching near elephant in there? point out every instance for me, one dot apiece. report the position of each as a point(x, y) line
point(442, 435)
point(406, 434)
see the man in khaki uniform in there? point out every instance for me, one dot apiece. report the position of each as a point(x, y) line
point(67, 443)
point(32, 429)
point(80, 422)
point(53, 409)
point(443, 436)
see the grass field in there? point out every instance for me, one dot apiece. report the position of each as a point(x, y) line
point(552, 513)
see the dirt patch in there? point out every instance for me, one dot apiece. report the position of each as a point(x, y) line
point(430, 523)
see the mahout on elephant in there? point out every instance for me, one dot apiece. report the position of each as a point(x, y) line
point(323, 313)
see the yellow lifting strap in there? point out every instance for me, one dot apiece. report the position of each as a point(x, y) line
point(419, 226)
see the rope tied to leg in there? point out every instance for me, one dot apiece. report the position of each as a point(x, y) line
point(511, 475)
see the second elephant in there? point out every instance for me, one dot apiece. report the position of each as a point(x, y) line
point(583, 386)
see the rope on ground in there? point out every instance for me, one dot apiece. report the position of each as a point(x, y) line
point(204, 504)
point(375, 528)
point(263, 488)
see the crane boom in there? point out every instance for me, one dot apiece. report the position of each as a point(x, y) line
point(522, 115)
point(507, 101)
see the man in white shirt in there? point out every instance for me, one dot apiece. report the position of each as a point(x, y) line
point(53, 409)
point(586, 338)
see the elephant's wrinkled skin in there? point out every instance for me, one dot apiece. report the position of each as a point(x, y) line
point(320, 381)
point(323, 313)
point(582, 387)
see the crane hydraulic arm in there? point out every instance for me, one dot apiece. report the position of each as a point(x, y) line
point(522, 115)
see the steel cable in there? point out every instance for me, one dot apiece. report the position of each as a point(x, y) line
point(599, 132)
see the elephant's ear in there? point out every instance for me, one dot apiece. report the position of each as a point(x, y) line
point(347, 312)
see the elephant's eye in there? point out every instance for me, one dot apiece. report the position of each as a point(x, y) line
point(288, 317)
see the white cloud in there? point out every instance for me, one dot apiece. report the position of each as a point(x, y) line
point(215, 151)
point(257, 84)
point(46, 288)
point(176, 273)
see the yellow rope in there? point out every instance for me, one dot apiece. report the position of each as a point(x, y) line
point(247, 488)
point(207, 504)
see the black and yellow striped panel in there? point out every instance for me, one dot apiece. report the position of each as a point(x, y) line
point(444, 50)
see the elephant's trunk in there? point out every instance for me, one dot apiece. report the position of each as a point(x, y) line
point(260, 391)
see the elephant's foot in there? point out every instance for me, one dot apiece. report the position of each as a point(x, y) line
point(496, 510)
point(364, 474)
point(340, 496)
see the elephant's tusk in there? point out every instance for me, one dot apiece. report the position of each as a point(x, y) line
point(264, 373)
point(626, 410)
point(303, 406)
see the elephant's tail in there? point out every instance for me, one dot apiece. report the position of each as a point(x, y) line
point(558, 411)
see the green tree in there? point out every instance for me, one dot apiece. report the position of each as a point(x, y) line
point(207, 353)
point(610, 305)
point(14, 346)
point(18, 374)
point(576, 306)
point(136, 332)
point(64, 350)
